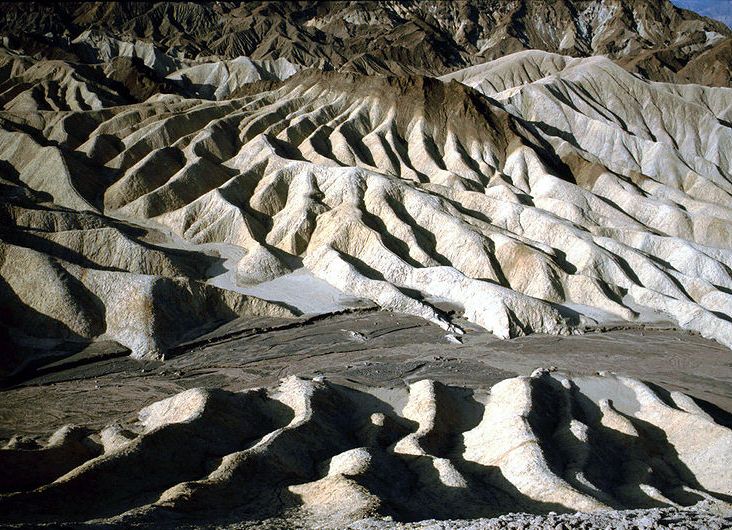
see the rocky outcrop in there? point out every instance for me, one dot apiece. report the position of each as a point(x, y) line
point(656, 39)
point(319, 451)
point(537, 192)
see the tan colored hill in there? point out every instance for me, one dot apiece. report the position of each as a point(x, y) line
point(362, 200)
point(560, 193)
point(67, 277)
point(320, 453)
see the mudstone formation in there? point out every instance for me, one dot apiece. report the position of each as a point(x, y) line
point(539, 166)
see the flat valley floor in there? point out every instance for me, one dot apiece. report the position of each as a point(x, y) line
point(361, 349)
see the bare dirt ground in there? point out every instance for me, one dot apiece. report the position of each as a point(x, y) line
point(362, 348)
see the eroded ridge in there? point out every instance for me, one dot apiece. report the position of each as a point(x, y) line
point(656, 39)
point(557, 193)
point(316, 449)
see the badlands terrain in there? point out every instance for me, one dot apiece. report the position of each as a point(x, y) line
point(422, 264)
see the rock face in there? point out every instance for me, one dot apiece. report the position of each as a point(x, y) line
point(314, 449)
point(553, 183)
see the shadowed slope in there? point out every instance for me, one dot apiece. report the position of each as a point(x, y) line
point(321, 450)
point(651, 37)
